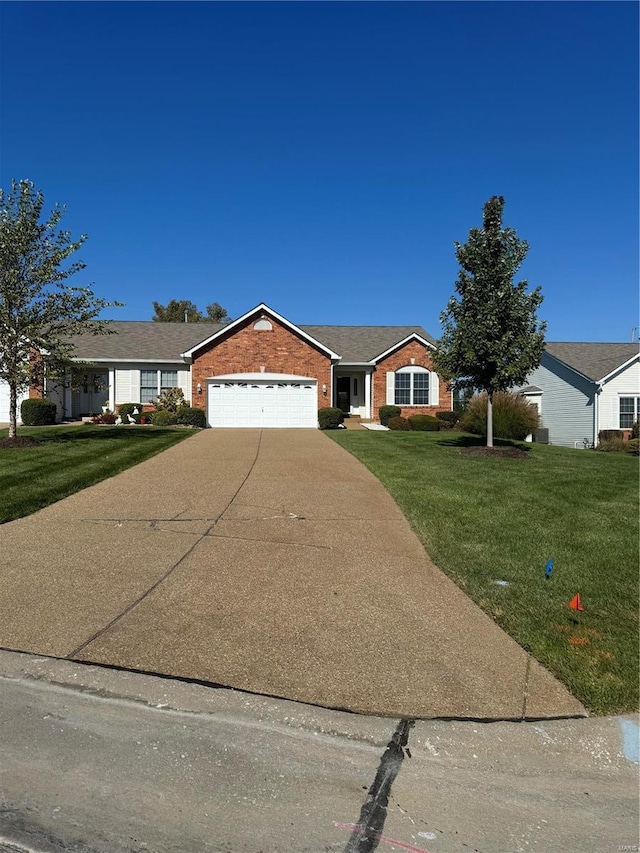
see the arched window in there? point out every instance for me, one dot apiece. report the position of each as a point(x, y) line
point(412, 386)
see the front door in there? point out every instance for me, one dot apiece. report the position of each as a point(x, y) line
point(343, 393)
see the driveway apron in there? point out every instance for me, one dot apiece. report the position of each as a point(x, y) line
point(269, 561)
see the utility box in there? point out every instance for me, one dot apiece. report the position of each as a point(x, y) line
point(541, 436)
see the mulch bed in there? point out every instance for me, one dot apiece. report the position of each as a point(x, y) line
point(497, 452)
point(19, 441)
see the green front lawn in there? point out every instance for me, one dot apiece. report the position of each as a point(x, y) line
point(68, 459)
point(484, 520)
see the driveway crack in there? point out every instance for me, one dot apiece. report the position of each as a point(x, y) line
point(170, 570)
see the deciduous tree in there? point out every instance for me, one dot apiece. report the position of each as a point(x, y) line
point(39, 310)
point(492, 338)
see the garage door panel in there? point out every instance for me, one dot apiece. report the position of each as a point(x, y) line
point(262, 404)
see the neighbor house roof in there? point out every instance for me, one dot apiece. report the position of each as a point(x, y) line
point(593, 360)
point(147, 340)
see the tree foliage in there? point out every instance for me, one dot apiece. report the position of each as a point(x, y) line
point(492, 338)
point(185, 311)
point(39, 310)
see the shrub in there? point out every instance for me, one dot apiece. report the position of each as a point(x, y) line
point(399, 423)
point(424, 423)
point(125, 409)
point(330, 417)
point(387, 412)
point(192, 417)
point(38, 411)
point(610, 435)
point(448, 420)
point(104, 418)
point(513, 417)
point(163, 417)
point(171, 400)
point(635, 430)
point(633, 446)
point(612, 445)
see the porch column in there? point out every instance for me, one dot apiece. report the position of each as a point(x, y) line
point(367, 395)
point(66, 392)
point(112, 389)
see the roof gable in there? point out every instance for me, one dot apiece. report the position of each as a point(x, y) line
point(260, 309)
point(595, 361)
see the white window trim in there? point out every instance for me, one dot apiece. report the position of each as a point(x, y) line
point(158, 387)
point(434, 386)
point(630, 395)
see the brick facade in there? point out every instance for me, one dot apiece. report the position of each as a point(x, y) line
point(248, 350)
point(401, 358)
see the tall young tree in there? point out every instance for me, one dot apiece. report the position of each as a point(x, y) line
point(492, 338)
point(39, 310)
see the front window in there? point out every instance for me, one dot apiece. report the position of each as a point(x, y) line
point(412, 386)
point(629, 411)
point(153, 382)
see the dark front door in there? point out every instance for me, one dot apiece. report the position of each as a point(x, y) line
point(343, 391)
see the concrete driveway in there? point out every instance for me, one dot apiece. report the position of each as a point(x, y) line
point(269, 561)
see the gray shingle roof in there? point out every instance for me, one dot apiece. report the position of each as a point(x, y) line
point(136, 340)
point(593, 360)
point(362, 343)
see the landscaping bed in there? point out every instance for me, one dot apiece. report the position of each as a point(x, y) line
point(492, 523)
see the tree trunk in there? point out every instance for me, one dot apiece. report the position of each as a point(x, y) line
point(13, 408)
point(489, 419)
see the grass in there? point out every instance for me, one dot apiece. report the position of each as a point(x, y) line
point(487, 519)
point(68, 459)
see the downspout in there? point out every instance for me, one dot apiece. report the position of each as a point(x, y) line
point(596, 413)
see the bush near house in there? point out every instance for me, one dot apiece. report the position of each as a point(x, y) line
point(104, 418)
point(125, 409)
point(399, 423)
point(38, 411)
point(610, 435)
point(330, 417)
point(448, 420)
point(385, 413)
point(635, 430)
point(424, 423)
point(192, 417)
point(633, 446)
point(513, 417)
point(163, 417)
point(171, 400)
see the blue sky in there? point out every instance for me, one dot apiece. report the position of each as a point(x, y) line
point(324, 157)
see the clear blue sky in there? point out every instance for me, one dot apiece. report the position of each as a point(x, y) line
point(324, 157)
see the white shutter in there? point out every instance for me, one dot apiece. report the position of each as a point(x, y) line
point(123, 387)
point(184, 382)
point(434, 389)
point(391, 388)
point(135, 386)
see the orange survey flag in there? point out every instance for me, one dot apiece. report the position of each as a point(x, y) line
point(575, 603)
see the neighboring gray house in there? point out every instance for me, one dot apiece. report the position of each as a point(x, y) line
point(582, 388)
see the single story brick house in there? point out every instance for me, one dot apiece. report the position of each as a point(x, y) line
point(260, 370)
point(582, 388)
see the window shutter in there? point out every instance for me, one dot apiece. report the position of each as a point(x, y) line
point(434, 389)
point(135, 386)
point(391, 388)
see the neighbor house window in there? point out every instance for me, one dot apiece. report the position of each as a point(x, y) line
point(412, 386)
point(153, 382)
point(629, 411)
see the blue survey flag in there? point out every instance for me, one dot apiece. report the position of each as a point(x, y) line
point(549, 569)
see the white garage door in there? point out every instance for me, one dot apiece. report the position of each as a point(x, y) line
point(4, 402)
point(263, 402)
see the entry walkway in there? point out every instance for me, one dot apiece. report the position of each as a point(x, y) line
point(269, 561)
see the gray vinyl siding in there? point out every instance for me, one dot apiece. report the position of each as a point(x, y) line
point(567, 402)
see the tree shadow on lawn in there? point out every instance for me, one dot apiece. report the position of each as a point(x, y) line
point(477, 445)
